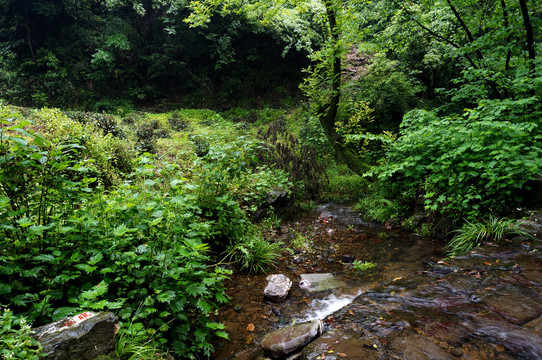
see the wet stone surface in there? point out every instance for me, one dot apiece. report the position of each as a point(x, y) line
point(289, 339)
point(321, 282)
point(336, 344)
point(486, 305)
point(277, 288)
point(86, 336)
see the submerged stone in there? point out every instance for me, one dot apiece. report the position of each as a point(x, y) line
point(289, 339)
point(514, 304)
point(321, 282)
point(277, 287)
point(86, 336)
point(336, 344)
point(414, 346)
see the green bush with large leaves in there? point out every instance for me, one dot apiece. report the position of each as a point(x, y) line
point(16, 341)
point(139, 250)
point(466, 164)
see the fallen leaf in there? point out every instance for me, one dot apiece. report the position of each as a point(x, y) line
point(350, 312)
point(250, 327)
point(499, 348)
point(341, 354)
point(248, 339)
point(397, 278)
point(485, 262)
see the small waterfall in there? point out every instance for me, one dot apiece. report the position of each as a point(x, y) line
point(320, 308)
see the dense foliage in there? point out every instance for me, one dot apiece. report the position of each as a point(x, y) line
point(473, 154)
point(426, 111)
point(143, 247)
point(112, 55)
point(16, 338)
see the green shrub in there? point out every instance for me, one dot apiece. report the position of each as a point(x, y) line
point(312, 134)
point(473, 234)
point(269, 115)
point(201, 145)
point(389, 91)
point(140, 249)
point(146, 135)
point(101, 151)
point(465, 165)
point(107, 123)
point(177, 122)
point(344, 184)
point(16, 340)
point(376, 207)
point(252, 188)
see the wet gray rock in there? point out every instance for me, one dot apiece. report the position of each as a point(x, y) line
point(440, 268)
point(321, 282)
point(277, 196)
point(525, 342)
point(531, 225)
point(277, 287)
point(289, 339)
point(335, 344)
point(86, 336)
point(516, 305)
point(414, 346)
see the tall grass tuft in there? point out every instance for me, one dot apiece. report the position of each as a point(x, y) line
point(473, 234)
point(256, 255)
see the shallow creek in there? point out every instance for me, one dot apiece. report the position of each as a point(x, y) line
point(404, 310)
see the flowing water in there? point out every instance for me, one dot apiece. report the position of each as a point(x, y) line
point(403, 310)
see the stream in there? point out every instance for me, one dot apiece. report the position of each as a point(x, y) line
point(483, 306)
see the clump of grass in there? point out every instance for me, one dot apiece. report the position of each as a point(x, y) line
point(255, 255)
point(363, 266)
point(473, 234)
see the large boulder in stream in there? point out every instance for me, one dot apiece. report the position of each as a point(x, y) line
point(289, 339)
point(277, 288)
point(86, 336)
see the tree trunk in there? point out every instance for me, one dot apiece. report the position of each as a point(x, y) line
point(328, 115)
point(529, 35)
point(508, 39)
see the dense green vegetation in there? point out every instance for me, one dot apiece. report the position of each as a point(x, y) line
point(428, 113)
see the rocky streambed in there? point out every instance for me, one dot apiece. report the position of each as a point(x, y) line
point(486, 305)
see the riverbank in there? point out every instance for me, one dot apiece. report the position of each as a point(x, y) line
point(414, 306)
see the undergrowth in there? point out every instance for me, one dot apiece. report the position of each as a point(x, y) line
point(473, 234)
point(142, 239)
